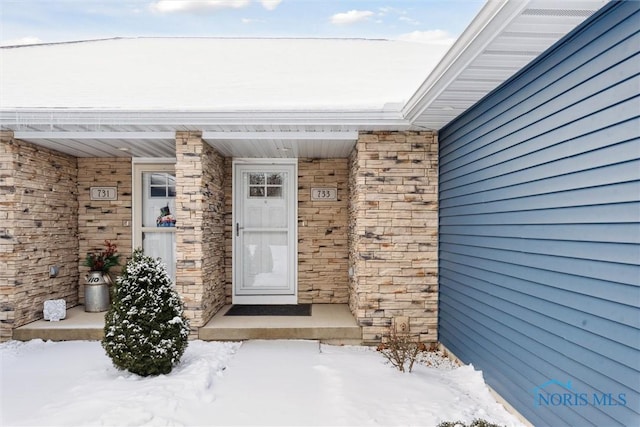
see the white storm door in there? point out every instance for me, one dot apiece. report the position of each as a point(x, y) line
point(264, 230)
point(154, 191)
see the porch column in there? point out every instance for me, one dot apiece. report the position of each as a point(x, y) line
point(39, 229)
point(7, 242)
point(393, 233)
point(200, 276)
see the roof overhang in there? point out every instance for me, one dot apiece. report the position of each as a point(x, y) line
point(95, 133)
point(504, 37)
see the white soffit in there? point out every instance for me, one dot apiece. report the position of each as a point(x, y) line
point(291, 144)
point(283, 134)
point(504, 37)
point(104, 144)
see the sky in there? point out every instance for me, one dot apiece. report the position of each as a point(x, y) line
point(47, 21)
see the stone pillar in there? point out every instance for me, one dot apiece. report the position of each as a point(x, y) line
point(228, 235)
point(7, 238)
point(393, 232)
point(200, 275)
point(38, 229)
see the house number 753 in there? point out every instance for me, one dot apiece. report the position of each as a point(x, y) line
point(324, 194)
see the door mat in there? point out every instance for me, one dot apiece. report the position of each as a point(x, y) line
point(270, 310)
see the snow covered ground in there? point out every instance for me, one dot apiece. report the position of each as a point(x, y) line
point(254, 383)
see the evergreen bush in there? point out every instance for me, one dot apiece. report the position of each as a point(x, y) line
point(145, 329)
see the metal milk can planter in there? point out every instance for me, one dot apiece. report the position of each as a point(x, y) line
point(96, 292)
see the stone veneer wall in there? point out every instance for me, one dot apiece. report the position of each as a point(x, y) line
point(323, 255)
point(393, 230)
point(228, 229)
point(200, 215)
point(100, 220)
point(38, 229)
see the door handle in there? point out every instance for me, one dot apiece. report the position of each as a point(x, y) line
point(238, 229)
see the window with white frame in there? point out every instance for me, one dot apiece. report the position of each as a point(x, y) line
point(154, 209)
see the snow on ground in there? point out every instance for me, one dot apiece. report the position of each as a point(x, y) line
point(255, 383)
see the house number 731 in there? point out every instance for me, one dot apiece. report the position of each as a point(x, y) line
point(104, 193)
point(324, 194)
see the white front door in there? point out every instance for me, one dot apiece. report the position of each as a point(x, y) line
point(264, 232)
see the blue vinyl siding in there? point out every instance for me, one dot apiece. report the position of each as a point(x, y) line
point(540, 229)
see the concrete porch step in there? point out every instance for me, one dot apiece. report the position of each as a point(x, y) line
point(78, 325)
point(332, 323)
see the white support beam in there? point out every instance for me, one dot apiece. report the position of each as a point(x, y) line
point(31, 135)
point(282, 136)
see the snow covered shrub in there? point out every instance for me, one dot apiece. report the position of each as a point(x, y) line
point(145, 329)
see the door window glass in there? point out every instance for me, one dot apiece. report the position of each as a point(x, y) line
point(267, 185)
point(159, 199)
point(157, 203)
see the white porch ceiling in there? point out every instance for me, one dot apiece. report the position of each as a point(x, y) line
point(130, 144)
point(247, 134)
point(290, 144)
point(504, 37)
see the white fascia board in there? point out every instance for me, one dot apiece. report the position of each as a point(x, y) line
point(22, 119)
point(328, 135)
point(492, 19)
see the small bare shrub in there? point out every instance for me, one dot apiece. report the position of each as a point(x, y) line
point(474, 423)
point(401, 350)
